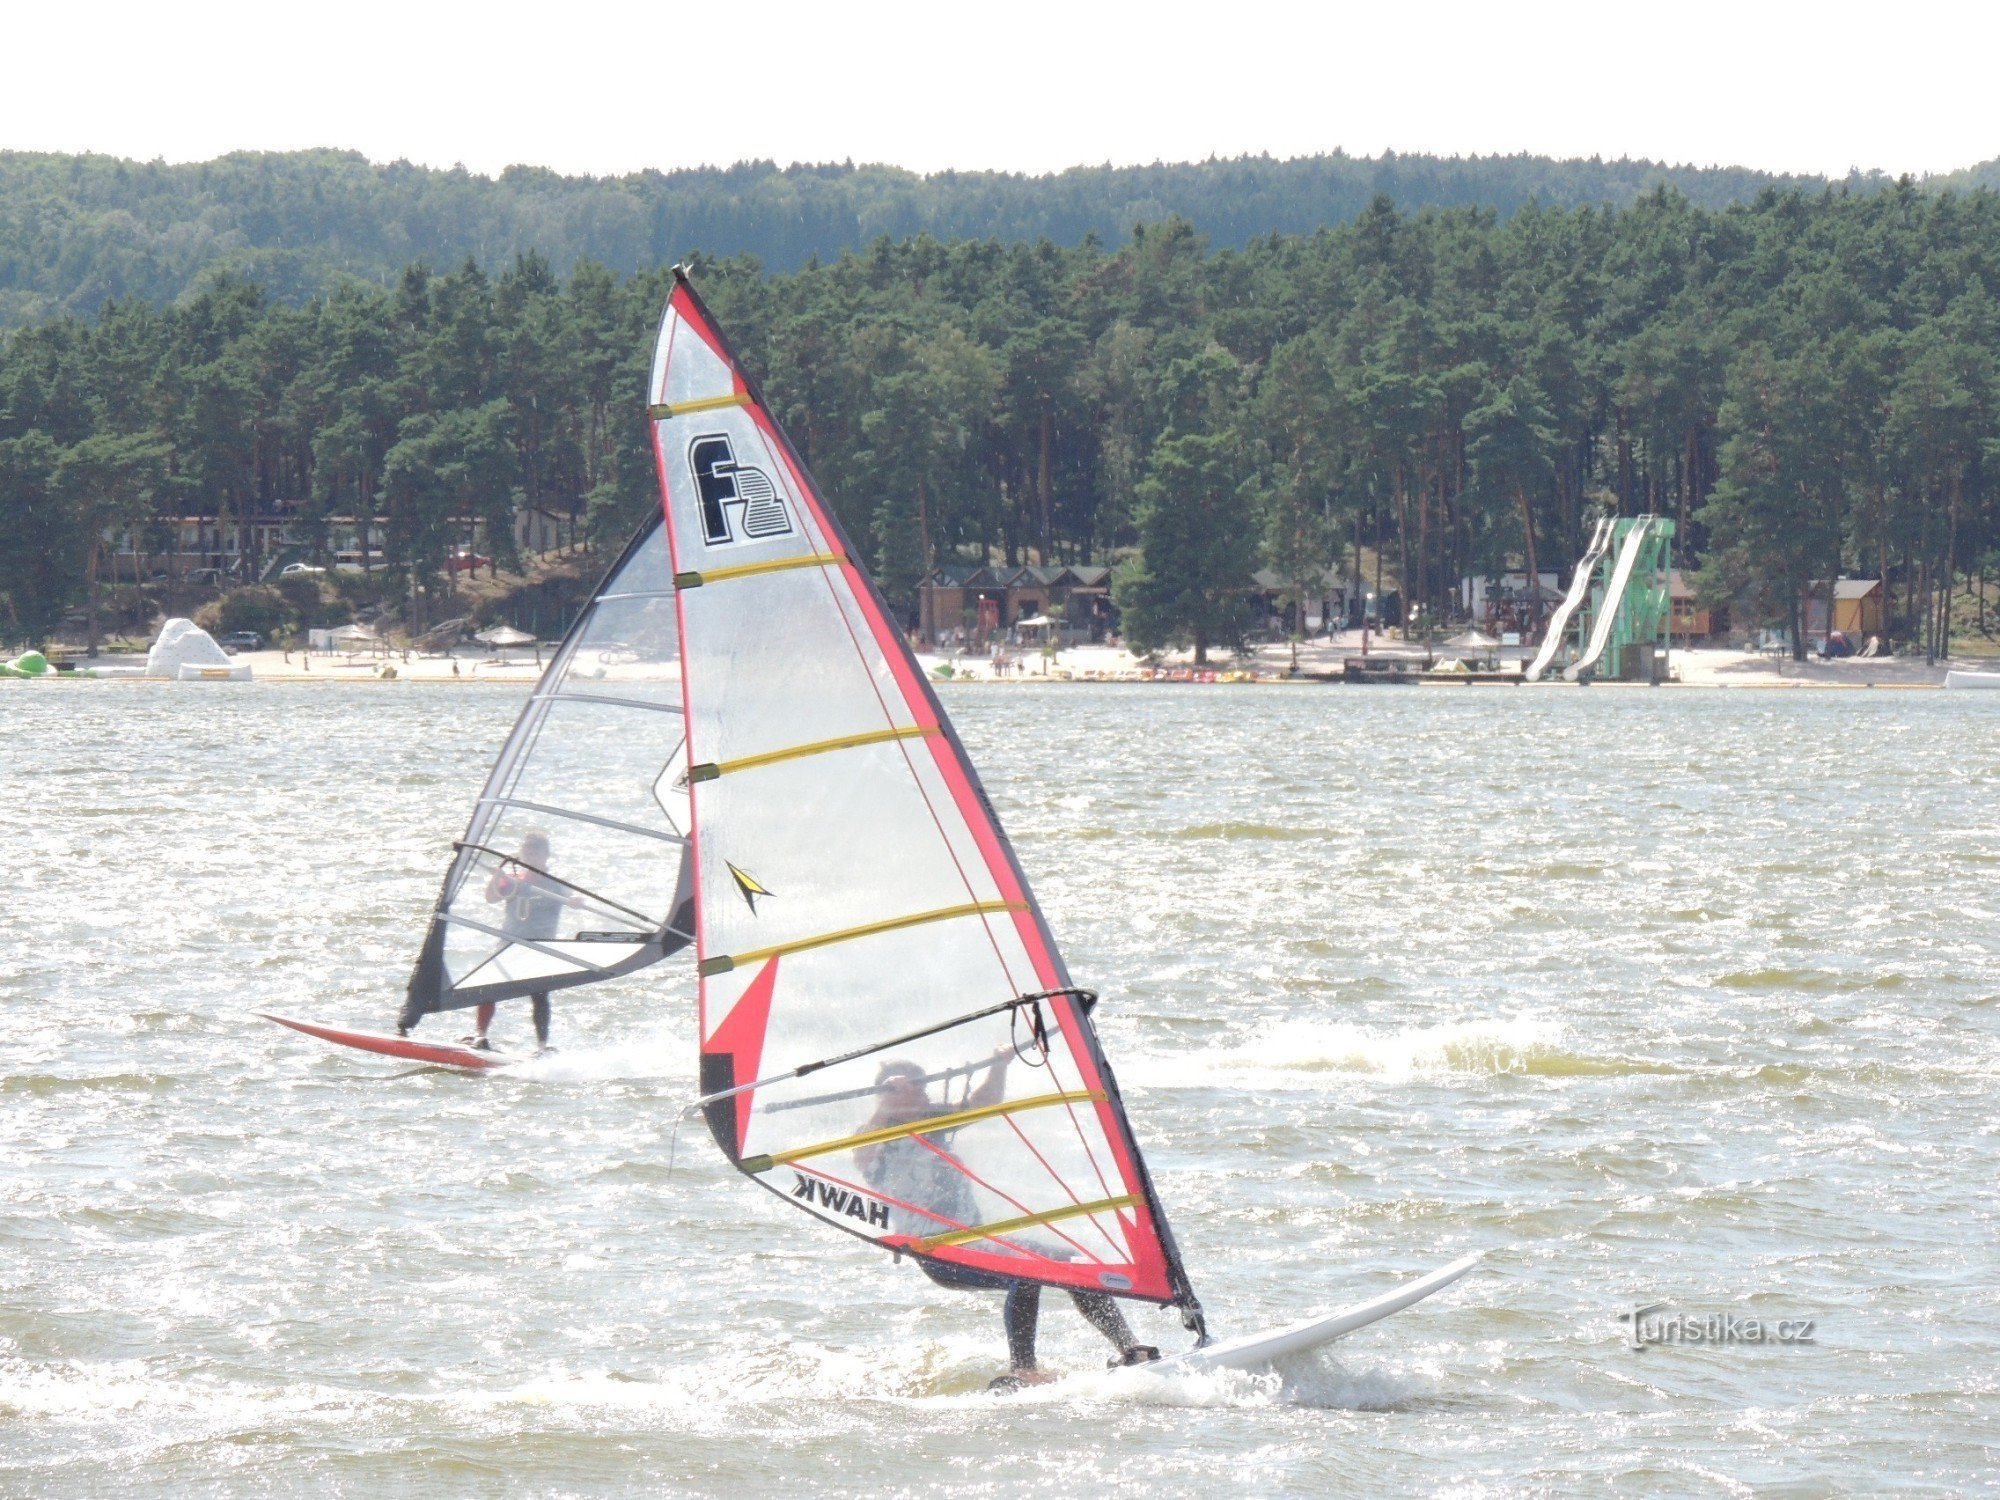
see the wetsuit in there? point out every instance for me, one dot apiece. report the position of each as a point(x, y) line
point(911, 1171)
point(534, 911)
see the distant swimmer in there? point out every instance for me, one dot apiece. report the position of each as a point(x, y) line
point(535, 902)
point(919, 1171)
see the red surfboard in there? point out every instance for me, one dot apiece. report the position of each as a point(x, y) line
point(445, 1054)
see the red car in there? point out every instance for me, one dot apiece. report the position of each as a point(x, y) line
point(460, 561)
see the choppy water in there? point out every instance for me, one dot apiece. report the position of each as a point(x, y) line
point(1671, 996)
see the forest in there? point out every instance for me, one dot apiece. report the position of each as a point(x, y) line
point(77, 231)
point(1807, 382)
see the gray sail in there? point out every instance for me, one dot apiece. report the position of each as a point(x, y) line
point(575, 866)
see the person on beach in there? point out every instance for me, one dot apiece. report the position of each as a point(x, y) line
point(922, 1172)
point(535, 902)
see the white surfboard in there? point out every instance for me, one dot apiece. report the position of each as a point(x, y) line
point(1256, 1350)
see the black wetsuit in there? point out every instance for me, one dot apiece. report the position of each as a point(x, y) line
point(1023, 1309)
point(911, 1171)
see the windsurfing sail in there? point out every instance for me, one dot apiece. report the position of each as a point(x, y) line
point(576, 864)
point(889, 1038)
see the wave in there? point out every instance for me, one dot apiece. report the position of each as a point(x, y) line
point(1242, 831)
point(950, 1373)
point(1198, 832)
point(638, 1061)
point(1316, 1380)
point(43, 1085)
point(1296, 1049)
point(1808, 979)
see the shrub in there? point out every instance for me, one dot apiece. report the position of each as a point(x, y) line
point(258, 607)
point(359, 591)
point(306, 600)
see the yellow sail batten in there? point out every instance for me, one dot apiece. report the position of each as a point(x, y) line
point(918, 1127)
point(661, 410)
point(1026, 1221)
point(722, 965)
point(709, 770)
point(751, 570)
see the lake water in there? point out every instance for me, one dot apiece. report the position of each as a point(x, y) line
point(1670, 997)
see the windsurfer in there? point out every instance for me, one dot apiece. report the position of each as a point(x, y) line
point(919, 1170)
point(535, 902)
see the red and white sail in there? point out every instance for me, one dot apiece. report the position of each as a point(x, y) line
point(853, 887)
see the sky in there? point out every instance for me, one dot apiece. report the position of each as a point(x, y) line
point(1028, 86)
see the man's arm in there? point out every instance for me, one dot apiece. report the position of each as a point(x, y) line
point(866, 1157)
point(994, 1089)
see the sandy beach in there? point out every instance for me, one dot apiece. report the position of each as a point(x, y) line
point(1318, 661)
point(1322, 658)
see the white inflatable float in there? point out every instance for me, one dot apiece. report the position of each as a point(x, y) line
point(187, 653)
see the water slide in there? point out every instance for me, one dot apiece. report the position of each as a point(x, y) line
point(1579, 590)
point(1621, 574)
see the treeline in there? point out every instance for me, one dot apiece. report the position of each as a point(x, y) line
point(1806, 383)
point(78, 231)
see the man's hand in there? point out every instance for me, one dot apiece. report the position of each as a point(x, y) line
point(994, 1085)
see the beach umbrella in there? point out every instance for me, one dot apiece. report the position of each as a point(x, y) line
point(500, 637)
point(1472, 640)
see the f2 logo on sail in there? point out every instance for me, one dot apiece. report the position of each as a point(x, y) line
point(738, 501)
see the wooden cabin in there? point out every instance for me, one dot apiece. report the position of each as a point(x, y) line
point(969, 605)
point(1860, 607)
point(1693, 621)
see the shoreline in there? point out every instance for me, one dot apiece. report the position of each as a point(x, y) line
point(1267, 665)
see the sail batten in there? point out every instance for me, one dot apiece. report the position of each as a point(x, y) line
point(723, 964)
point(705, 577)
point(856, 900)
point(1026, 1221)
point(709, 770)
point(928, 1126)
point(564, 695)
point(584, 817)
point(689, 408)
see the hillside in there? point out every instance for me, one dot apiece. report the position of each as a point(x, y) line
point(76, 231)
point(1985, 174)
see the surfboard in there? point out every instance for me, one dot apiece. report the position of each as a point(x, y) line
point(1255, 1351)
point(444, 1054)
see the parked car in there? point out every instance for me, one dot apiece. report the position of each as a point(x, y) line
point(293, 570)
point(241, 640)
point(471, 560)
point(207, 577)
